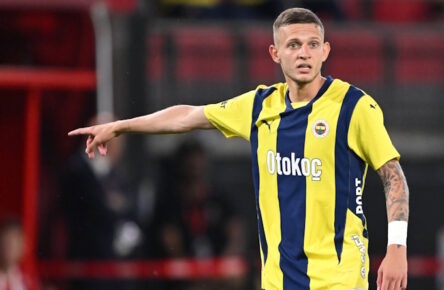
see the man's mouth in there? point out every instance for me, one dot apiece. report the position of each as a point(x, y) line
point(304, 67)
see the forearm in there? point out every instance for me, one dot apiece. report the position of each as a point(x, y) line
point(176, 119)
point(393, 269)
point(396, 191)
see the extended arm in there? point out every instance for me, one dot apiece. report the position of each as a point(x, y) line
point(176, 119)
point(392, 273)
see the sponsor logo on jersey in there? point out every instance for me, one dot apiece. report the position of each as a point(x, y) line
point(362, 250)
point(320, 128)
point(358, 191)
point(292, 165)
point(268, 124)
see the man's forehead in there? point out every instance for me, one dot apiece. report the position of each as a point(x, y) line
point(300, 30)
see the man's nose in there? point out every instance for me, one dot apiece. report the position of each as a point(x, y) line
point(303, 52)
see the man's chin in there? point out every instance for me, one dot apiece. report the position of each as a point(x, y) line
point(303, 79)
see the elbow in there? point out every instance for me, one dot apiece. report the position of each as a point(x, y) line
point(184, 118)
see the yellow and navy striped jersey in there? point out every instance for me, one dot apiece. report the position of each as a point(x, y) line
point(309, 165)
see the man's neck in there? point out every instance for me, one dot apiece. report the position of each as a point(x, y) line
point(304, 92)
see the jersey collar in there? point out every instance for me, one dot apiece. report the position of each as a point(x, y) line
point(322, 90)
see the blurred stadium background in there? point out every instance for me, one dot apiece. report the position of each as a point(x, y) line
point(178, 212)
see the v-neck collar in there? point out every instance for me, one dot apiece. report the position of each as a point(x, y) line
point(322, 90)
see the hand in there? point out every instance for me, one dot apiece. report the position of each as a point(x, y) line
point(98, 136)
point(392, 274)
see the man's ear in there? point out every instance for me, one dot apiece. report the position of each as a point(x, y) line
point(326, 51)
point(274, 53)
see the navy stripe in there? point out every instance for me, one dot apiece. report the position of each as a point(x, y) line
point(261, 94)
point(345, 189)
point(292, 200)
point(288, 105)
point(323, 89)
point(292, 193)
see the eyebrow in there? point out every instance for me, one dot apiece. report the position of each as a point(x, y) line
point(299, 40)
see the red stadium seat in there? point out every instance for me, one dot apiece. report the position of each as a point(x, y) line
point(356, 56)
point(353, 9)
point(204, 54)
point(260, 66)
point(419, 57)
point(395, 11)
point(155, 56)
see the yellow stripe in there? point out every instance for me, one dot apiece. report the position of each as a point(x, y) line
point(320, 201)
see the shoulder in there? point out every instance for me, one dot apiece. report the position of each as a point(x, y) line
point(352, 91)
point(363, 100)
point(354, 95)
point(268, 89)
point(367, 110)
point(277, 91)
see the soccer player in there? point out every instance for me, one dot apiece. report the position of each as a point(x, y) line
point(312, 139)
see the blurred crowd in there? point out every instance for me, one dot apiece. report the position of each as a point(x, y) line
point(103, 217)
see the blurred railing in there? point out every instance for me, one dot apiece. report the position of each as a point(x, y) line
point(35, 81)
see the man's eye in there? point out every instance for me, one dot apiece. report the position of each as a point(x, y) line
point(293, 45)
point(314, 44)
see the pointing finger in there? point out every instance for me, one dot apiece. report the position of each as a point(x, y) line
point(80, 131)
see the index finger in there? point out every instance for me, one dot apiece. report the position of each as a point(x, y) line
point(80, 131)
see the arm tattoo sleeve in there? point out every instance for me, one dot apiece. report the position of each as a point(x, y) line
point(396, 191)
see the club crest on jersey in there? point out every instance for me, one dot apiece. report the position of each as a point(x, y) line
point(320, 128)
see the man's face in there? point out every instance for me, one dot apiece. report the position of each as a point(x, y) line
point(300, 50)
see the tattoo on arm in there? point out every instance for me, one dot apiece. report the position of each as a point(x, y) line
point(396, 191)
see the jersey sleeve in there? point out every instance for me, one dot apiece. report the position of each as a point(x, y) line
point(367, 135)
point(232, 117)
